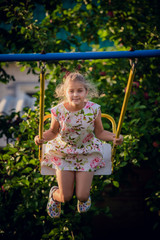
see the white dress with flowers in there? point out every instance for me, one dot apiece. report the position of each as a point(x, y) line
point(76, 148)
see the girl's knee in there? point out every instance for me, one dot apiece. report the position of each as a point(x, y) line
point(61, 196)
point(66, 197)
point(82, 197)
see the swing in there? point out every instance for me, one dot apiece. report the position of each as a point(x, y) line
point(106, 171)
point(110, 158)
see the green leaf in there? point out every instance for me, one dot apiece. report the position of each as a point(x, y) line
point(88, 114)
point(89, 6)
point(116, 184)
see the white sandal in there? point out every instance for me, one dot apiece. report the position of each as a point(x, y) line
point(53, 207)
point(84, 206)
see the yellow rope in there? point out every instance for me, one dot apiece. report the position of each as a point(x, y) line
point(41, 103)
point(124, 106)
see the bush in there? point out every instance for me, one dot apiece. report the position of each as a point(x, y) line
point(24, 192)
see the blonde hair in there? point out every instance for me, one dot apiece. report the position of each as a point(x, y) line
point(60, 91)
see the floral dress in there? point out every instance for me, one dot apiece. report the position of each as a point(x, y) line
point(76, 148)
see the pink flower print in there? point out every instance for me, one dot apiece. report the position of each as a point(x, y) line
point(71, 130)
point(87, 138)
point(95, 162)
point(68, 120)
point(62, 118)
point(46, 159)
point(102, 164)
point(69, 150)
point(63, 128)
point(56, 161)
point(89, 104)
point(54, 113)
point(96, 147)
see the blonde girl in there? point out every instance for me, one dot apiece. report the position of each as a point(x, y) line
point(74, 150)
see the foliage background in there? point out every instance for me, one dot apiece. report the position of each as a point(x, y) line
point(81, 25)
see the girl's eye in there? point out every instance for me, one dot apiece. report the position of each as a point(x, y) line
point(80, 90)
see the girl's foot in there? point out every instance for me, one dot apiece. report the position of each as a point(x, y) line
point(53, 207)
point(84, 206)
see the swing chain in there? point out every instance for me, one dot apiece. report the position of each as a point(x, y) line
point(133, 61)
point(42, 66)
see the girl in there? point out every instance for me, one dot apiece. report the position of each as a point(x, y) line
point(74, 150)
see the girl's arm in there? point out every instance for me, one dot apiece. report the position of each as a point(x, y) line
point(49, 134)
point(104, 135)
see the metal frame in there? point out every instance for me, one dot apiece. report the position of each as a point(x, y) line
point(77, 55)
point(122, 114)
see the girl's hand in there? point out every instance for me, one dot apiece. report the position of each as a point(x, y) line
point(38, 141)
point(117, 141)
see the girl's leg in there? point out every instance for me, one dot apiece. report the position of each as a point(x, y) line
point(83, 184)
point(65, 189)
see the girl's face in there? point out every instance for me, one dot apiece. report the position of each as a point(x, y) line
point(76, 94)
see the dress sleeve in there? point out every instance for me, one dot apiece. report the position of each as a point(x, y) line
point(55, 112)
point(97, 108)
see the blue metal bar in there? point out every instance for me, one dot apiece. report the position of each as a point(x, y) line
point(77, 55)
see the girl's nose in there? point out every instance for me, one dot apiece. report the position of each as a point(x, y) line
point(75, 93)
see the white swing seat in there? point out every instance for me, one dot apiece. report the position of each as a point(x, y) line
point(107, 154)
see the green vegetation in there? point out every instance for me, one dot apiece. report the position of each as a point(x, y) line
point(130, 25)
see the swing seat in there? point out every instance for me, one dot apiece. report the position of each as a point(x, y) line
point(107, 153)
